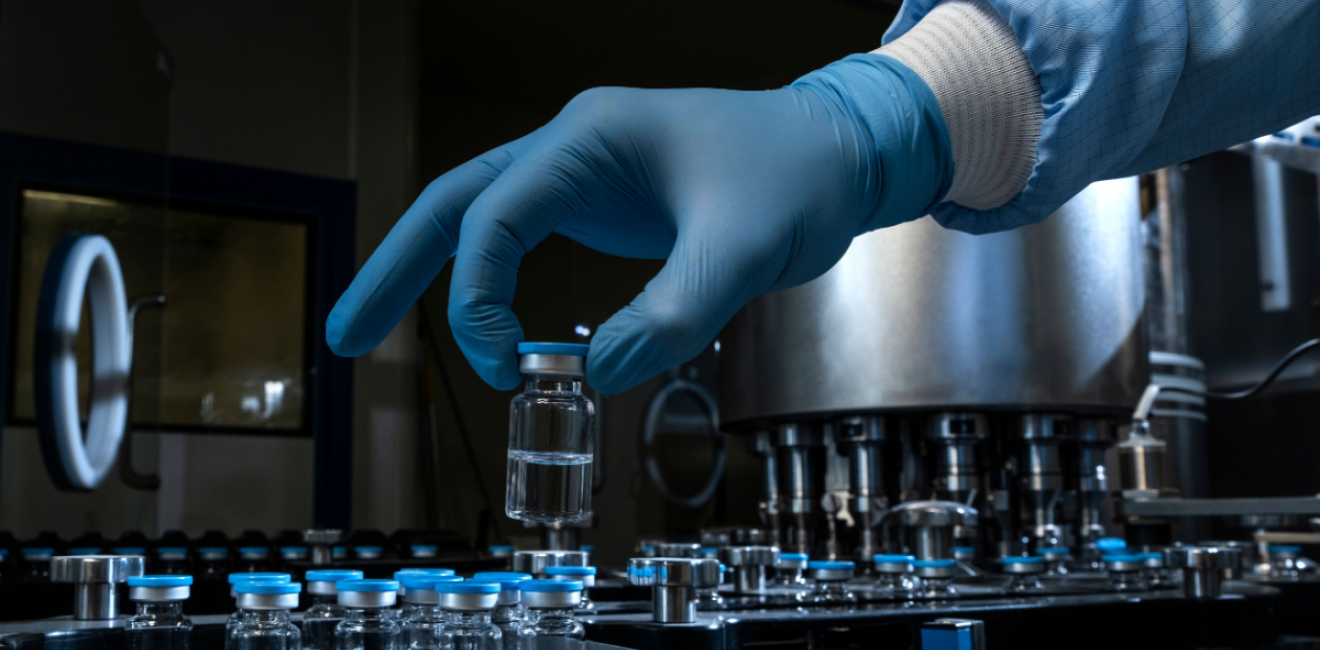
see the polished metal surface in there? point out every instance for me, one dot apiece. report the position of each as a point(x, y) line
point(552, 364)
point(761, 444)
point(1094, 436)
point(929, 526)
point(1045, 317)
point(94, 577)
point(934, 513)
point(1040, 436)
point(266, 602)
point(368, 599)
point(749, 564)
point(677, 549)
point(559, 536)
point(860, 438)
point(1203, 570)
point(801, 451)
point(322, 543)
point(543, 599)
point(956, 436)
point(1141, 467)
point(674, 582)
point(535, 562)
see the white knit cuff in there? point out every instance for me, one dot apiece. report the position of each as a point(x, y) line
point(988, 93)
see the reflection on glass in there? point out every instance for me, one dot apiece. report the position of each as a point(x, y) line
point(227, 350)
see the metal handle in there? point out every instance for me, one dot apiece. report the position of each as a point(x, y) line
point(322, 543)
point(749, 563)
point(674, 582)
point(94, 578)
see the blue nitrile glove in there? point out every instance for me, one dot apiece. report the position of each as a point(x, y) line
point(743, 192)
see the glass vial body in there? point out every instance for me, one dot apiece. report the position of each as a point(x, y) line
point(421, 631)
point(367, 629)
point(320, 621)
point(549, 622)
point(158, 626)
point(159, 623)
point(831, 579)
point(470, 631)
point(550, 442)
point(264, 630)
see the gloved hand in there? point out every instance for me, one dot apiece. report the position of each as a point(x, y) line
point(742, 192)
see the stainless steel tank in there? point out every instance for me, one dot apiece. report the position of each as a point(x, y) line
point(919, 317)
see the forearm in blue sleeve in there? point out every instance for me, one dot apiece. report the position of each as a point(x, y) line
point(1127, 86)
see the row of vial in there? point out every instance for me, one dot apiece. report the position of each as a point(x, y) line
point(904, 576)
point(421, 609)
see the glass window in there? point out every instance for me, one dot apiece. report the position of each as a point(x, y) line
point(230, 348)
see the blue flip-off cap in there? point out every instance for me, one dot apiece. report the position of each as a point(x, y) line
point(1110, 543)
point(260, 576)
point(565, 349)
point(160, 581)
point(890, 559)
point(570, 570)
point(1018, 559)
point(468, 587)
point(332, 575)
point(831, 565)
point(550, 585)
point(367, 585)
point(250, 587)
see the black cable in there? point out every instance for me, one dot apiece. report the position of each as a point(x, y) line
point(458, 417)
point(1286, 361)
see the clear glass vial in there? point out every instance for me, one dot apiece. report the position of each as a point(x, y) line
point(1283, 561)
point(467, 606)
point(1023, 572)
point(508, 613)
point(585, 574)
point(1156, 575)
point(549, 605)
point(936, 578)
point(404, 609)
point(321, 619)
point(172, 560)
point(1126, 572)
point(367, 623)
point(831, 577)
point(212, 562)
point(264, 623)
point(253, 558)
point(550, 442)
point(234, 580)
point(1056, 560)
point(159, 623)
point(893, 575)
point(789, 572)
point(420, 628)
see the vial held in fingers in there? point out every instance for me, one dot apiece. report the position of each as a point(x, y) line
point(550, 444)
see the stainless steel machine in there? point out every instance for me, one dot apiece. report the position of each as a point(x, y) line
point(994, 368)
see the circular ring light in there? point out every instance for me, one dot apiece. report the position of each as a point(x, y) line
point(81, 265)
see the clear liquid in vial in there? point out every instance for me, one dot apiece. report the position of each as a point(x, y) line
point(548, 487)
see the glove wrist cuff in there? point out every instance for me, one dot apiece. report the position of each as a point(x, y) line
point(989, 96)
